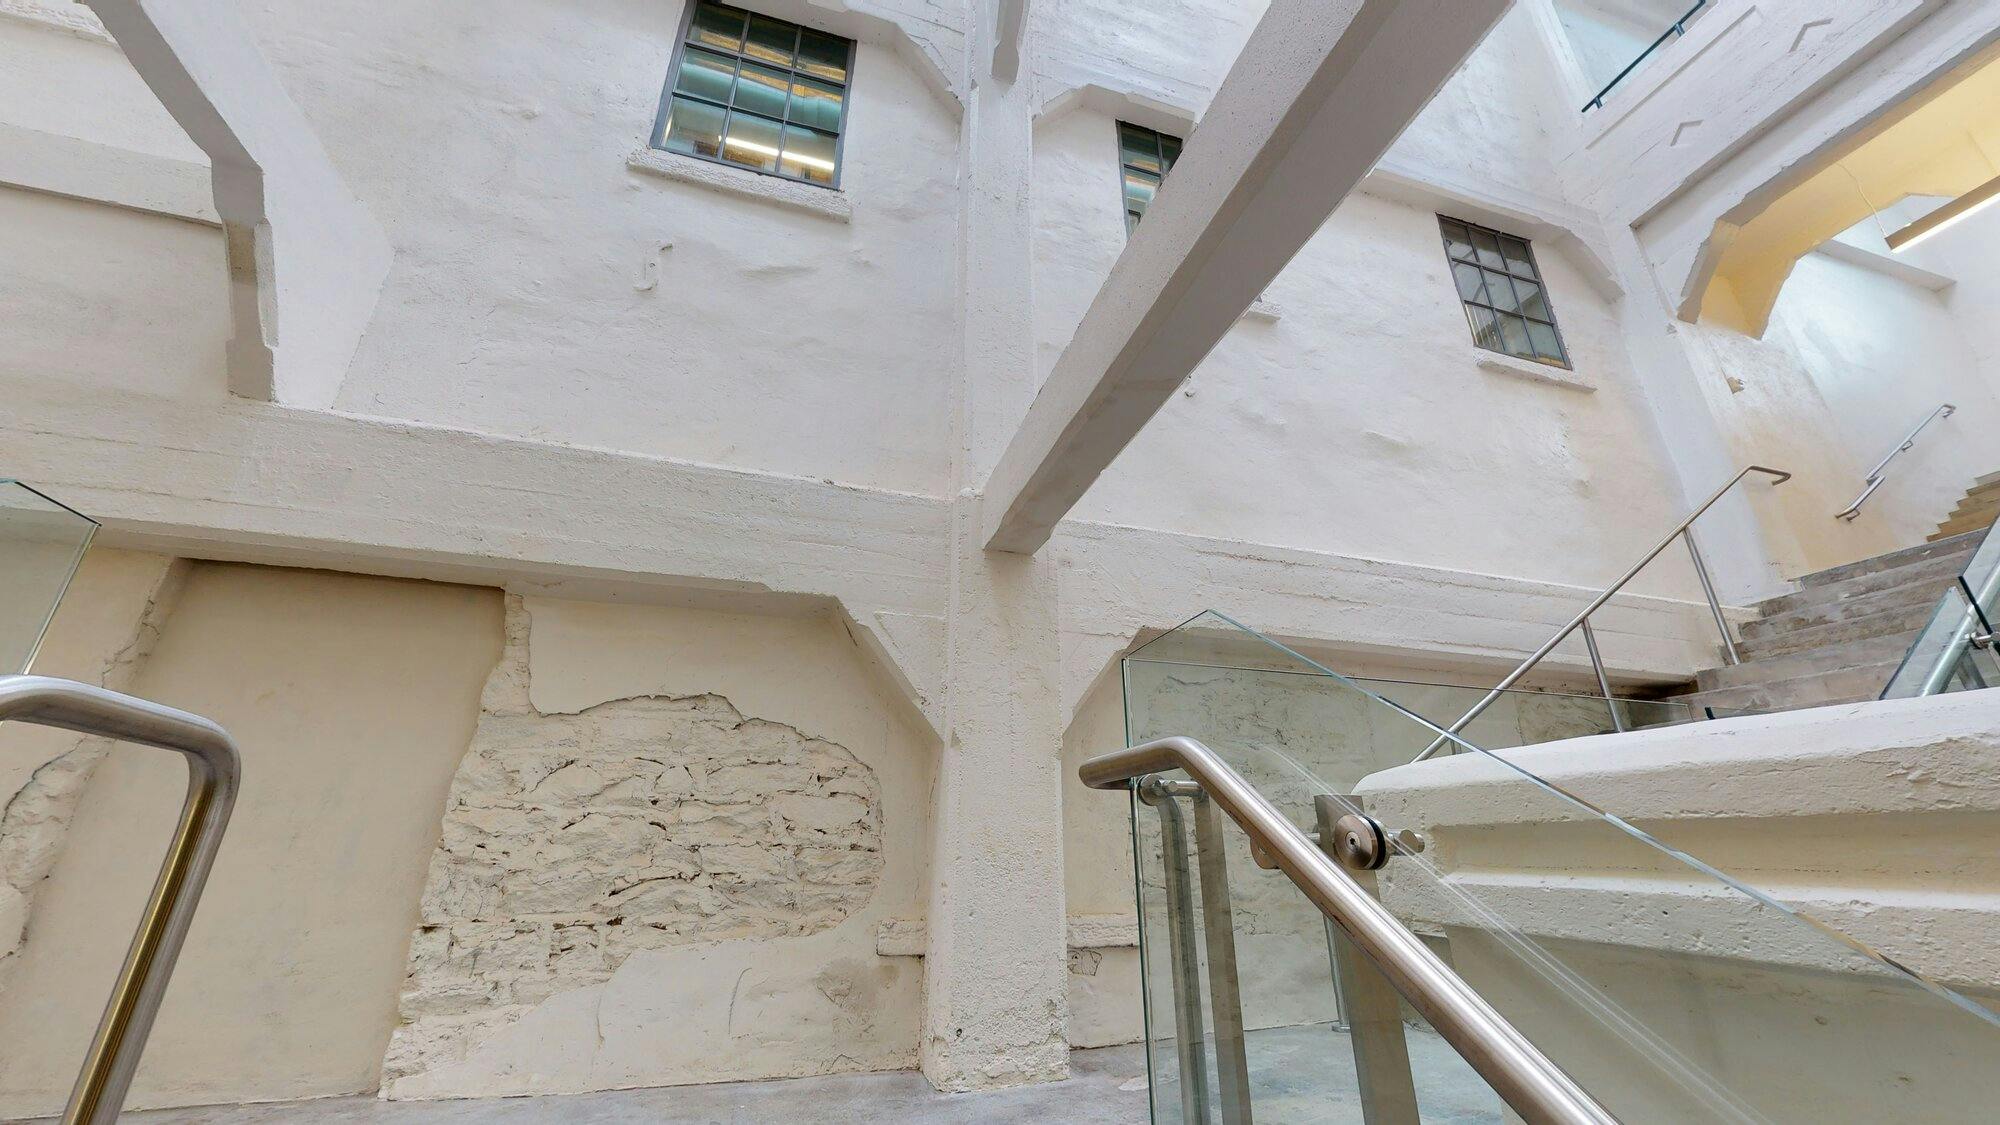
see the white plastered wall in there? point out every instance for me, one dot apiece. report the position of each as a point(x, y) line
point(1352, 414)
point(352, 699)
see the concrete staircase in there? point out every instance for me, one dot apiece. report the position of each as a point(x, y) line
point(1975, 512)
point(1840, 637)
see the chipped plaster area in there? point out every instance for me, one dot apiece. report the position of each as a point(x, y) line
point(132, 596)
point(573, 842)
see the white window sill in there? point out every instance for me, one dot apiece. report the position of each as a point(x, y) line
point(827, 203)
point(1533, 372)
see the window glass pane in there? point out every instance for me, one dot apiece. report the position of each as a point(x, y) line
point(762, 90)
point(816, 104)
point(706, 75)
point(1532, 301)
point(771, 40)
point(1457, 242)
point(822, 55)
point(1544, 339)
point(1170, 151)
point(694, 127)
point(1514, 336)
point(717, 26)
point(1489, 249)
point(752, 141)
point(808, 155)
point(1516, 253)
point(1485, 332)
point(1470, 287)
point(1500, 294)
point(1139, 148)
point(1139, 190)
point(1131, 220)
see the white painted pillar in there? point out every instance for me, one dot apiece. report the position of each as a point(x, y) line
point(995, 974)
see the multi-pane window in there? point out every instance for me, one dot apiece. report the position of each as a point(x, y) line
point(757, 92)
point(1145, 156)
point(1505, 300)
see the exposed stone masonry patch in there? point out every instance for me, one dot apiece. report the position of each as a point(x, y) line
point(572, 841)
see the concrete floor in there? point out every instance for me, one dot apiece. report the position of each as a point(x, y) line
point(1299, 1076)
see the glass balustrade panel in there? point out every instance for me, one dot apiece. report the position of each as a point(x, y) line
point(1952, 653)
point(41, 543)
point(1669, 989)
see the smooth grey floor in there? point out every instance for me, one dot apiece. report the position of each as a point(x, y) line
point(1299, 1076)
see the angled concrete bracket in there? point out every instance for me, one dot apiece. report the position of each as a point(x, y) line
point(306, 260)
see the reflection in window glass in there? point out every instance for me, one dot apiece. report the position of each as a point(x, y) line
point(758, 92)
point(1146, 156)
point(1505, 302)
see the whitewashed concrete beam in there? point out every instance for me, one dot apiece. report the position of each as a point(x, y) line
point(253, 482)
point(1010, 22)
point(306, 260)
point(1315, 99)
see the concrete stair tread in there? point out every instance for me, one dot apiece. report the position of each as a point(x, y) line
point(1818, 661)
point(1891, 561)
point(1894, 623)
point(1849, 685)
point(1934, 571)
point(1914, 595)
point(1957, 528)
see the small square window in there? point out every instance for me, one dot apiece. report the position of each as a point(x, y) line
point(757, 92)
point(1146, 156)
point(1505, 301)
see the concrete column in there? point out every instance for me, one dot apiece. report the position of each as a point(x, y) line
point(995, 979)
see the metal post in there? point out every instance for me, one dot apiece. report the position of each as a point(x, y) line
point(1225, 990)
point(1714, 603)
point(1525, 1079)
point(1603, 681)
point(1387, 1087)
point(1184, 954)
point(214, 771)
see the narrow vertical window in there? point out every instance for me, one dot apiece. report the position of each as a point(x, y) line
point(1501, 288)
point(1144, 158)
point(758, 93)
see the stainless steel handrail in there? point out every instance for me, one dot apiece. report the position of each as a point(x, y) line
point(1682, 530)
point(1876, 475)
point(214, 771)
point(1532, 1085)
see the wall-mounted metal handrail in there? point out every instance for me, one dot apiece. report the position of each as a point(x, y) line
point(1877, 474)
point(214, 771)
point(1533, 1086)
point(1682, 530)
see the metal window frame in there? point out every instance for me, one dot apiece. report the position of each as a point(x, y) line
point(1120, 124)
point(1511, 274)
point(658, 138)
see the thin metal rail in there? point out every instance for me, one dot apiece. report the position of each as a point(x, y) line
point(1682, 530)
point(1674, 31)
point(1877, 474)
point(1524, 1078)
point(214, 771)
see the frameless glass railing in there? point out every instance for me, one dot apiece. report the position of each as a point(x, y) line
point(1614, 41)
point(1955, 652)
point(1212, 666)
point(1667, 989)
point(41, 543)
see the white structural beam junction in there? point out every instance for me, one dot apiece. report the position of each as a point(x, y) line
point(1319, 93)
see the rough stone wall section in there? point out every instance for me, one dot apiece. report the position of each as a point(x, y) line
point(572, 841)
